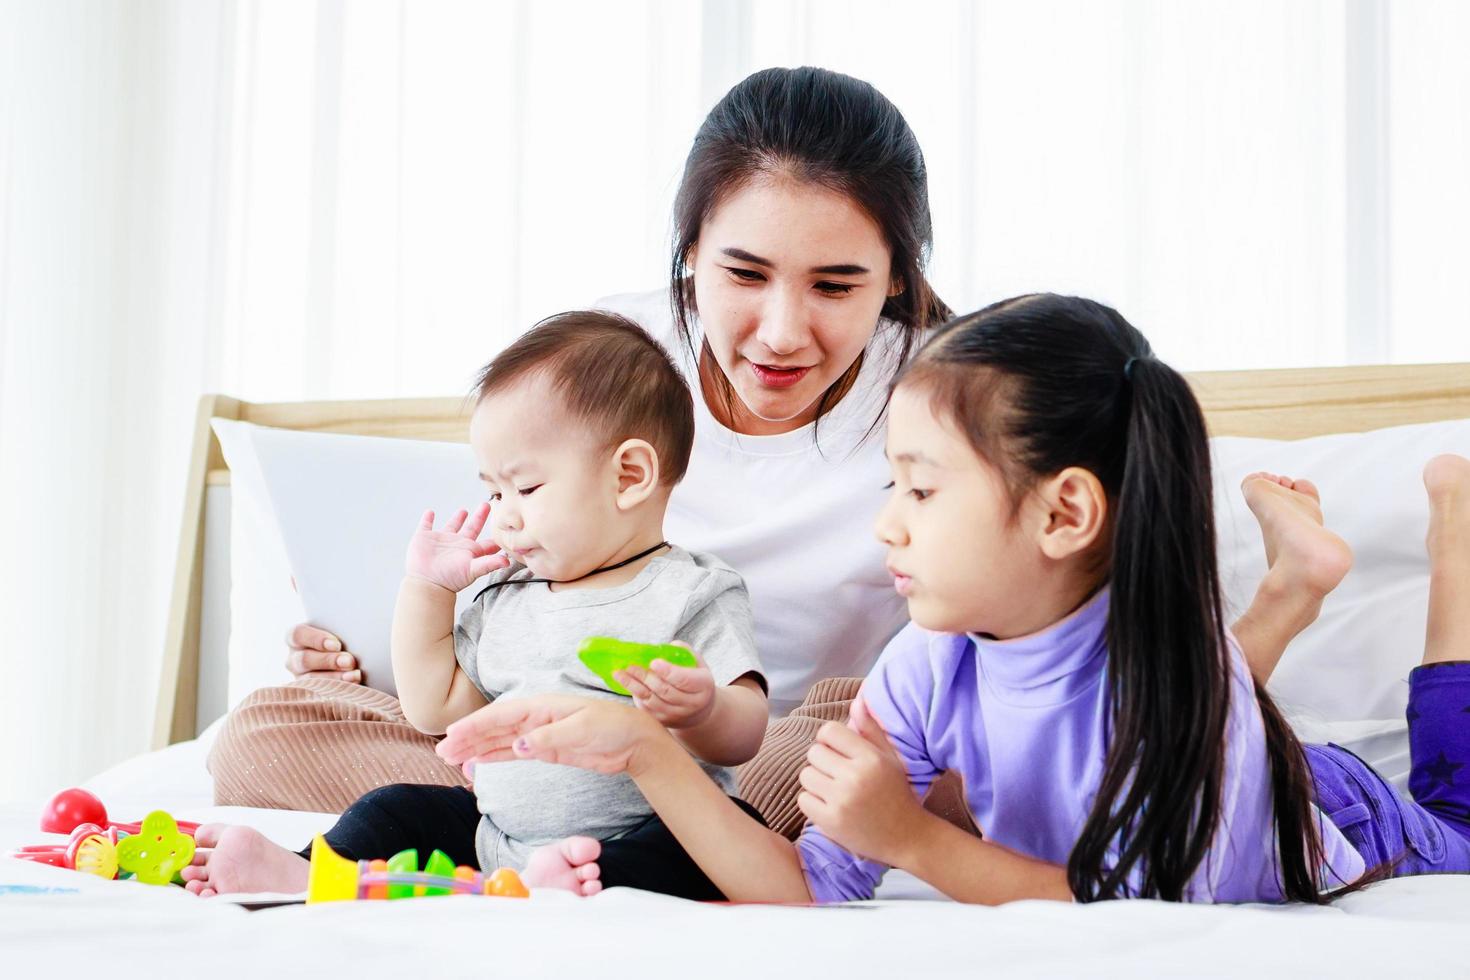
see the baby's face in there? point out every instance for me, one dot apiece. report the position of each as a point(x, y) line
point(552, 487)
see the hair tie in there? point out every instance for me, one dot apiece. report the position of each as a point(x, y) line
point(1128, 368)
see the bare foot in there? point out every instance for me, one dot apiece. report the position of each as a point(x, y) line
point(1302, 556)
point(1447, 635)
point(1447, 480)
point(1305, 561)
point(231, 859)
point(569, 864)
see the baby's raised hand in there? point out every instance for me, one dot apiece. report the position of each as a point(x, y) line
point(677, 697)
point(453, 557)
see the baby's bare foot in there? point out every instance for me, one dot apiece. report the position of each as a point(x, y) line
point(1302, 557)
point(230, 859)
point(569, 864)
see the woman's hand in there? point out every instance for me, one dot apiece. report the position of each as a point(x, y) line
point(589, 733)
point(676, 697)
point(453, 557)
point(856, 790)
point(316, 653)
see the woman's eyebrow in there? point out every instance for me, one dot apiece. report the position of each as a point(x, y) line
point(842, 269)
point(916, 458)
point(744, 256)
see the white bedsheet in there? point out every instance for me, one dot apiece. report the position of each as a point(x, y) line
point(51, 918)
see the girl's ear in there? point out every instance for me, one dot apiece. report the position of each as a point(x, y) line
point(1076, 511)
point(636, 463)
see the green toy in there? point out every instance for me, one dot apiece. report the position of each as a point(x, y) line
point(604, 656)
point(440, 866)
point(157, 852)
point(403, 863)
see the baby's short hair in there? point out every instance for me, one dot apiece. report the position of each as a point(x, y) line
point(611, 375)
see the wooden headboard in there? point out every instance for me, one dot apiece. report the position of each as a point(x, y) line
point(1279, 404)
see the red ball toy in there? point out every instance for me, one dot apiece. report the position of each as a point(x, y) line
point(69, 809)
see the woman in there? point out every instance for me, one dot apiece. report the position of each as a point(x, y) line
point(796, 293)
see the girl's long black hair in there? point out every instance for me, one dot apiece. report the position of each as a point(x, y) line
point(1044, 382)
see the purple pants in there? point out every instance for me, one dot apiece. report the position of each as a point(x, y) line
point(1431, 833)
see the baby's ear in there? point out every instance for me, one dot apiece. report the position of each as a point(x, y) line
point(1075, 509)
point(636, 462)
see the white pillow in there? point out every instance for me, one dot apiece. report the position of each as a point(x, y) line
point(1353, 664)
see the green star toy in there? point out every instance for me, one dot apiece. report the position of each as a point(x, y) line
point(157, 852)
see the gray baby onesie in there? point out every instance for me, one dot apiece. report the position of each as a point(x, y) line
point(519, 640)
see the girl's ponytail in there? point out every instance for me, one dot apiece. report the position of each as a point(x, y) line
point(1168, 673)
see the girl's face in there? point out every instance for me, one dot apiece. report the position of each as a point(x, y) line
point(965, 555)
point(790, 280)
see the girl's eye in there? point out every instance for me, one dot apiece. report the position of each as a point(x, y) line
point(494, 497)
point(745, 275)
point(920, 494)
point(834, 288)
point(529, 490)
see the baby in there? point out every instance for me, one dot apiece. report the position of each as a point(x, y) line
point(581, 429)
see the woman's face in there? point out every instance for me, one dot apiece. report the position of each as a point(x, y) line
point(790, 279)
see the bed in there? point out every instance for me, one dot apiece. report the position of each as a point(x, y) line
point(52, 917)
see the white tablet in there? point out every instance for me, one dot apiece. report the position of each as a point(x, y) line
point(346, 507)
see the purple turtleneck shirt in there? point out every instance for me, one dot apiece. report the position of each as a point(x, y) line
point(1024, 721)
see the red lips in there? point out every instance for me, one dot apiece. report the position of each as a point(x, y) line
point(778, 377)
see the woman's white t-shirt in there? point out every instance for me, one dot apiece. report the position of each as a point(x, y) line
point(794, 517)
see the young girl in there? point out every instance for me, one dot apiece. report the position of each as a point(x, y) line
point(1050, 525)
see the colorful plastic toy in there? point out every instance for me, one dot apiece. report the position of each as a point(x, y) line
point(158, 853)
point(94, 854)
point(604, 656)
point(153, 850)
point(334, 878)
point(90, 849)
point(73, 807)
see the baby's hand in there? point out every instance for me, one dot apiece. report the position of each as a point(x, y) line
point(677, 697)
point(453, 557)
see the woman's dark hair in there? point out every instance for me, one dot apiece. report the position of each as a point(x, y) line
point(819, 127)
point(1041, 383)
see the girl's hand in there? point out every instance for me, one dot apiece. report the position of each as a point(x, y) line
point(677, 697)
point(589, 733)
point(453, 557)
point(856, 790)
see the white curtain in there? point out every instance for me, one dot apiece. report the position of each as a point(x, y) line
point(358, 198)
